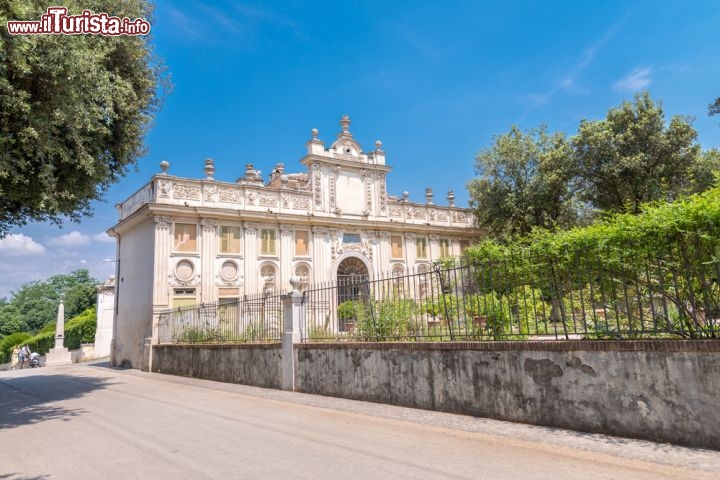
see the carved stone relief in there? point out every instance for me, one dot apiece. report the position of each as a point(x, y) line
point(301, 203)
point(317, 184)
point(230, 195)
point(210, 193)
point(165, 188)
point(190, 192)
point(267, 200)
point(383, 193)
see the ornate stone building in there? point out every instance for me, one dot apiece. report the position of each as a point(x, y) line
point(188, 241)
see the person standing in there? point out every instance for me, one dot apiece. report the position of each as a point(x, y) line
point(24, 355)
point(15, 357)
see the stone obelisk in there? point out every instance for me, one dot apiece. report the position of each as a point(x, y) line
point(59, 355)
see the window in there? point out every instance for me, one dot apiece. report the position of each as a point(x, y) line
point(421, 247)
point(267, 242)
point(444, 247)
point(396, 246)
point(229, 239)
point(185, 237)
point(301, 243)
point(351, 238)
point(464, 244)
point(183, 297)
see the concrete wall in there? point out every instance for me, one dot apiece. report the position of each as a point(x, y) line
point(257, 365)
point(105, 317)
point(665, 391)
point(134, 287)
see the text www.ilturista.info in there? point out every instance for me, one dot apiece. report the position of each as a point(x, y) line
point(57, 22)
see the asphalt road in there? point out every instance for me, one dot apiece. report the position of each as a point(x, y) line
point(94, 422)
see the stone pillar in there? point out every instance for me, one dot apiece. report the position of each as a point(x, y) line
point(434, 247)
point(208, 243)
point(250, 243)
point(382, 253)
point(293, 319)
point(59, 355)
point(105, 317)
point(410, 250)
point(161, 296)
point(287, 252)
point(320, 254)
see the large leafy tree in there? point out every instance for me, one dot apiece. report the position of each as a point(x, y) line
point(35, 304)
point(524, 182)
point(633, 156)
point(74, 110)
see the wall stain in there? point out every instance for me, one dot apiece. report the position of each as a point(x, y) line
point(575, 362)
point(542, 371)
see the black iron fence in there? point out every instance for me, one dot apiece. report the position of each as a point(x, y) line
point(523, 298)
point(256, 318)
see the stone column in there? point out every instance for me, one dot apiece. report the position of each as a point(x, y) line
point(250, 243)
point(160, 268)
point(59, 355)
point(293, 318)
point(208, 243)
point(321, 254)
point(287, 252)
point(383, 253)
point(434, 247)
point(161, 297)
point(410, 250)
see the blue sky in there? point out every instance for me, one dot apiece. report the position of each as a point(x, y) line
point(434, 81)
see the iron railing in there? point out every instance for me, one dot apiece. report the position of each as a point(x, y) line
point(522, 298)
point(255, 318)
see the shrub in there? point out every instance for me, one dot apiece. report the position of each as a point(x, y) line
point(42, 342)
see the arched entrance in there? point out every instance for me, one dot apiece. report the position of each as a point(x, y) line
point(353, 288)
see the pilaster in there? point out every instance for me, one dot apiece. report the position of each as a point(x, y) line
point(410, 250)
point(161, 259)
point(208, 244)
point(250, 243)
point(434, 247)
point(287, 252)
point(321, 254)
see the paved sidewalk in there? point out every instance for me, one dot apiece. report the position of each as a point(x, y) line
point(91, 421)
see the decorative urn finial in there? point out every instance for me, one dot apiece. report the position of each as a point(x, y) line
point(164, 165)
point(345, 124)
point(209, 168)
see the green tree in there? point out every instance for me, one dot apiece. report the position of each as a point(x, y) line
point(74, 110)
point(11, 320)
point(633, 157)
point(36, 303)
point(524, 182)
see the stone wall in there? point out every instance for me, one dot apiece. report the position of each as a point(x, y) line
point(257, 365)
point(664, 391)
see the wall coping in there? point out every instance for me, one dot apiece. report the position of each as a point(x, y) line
point(222, 346)
point(708, 346)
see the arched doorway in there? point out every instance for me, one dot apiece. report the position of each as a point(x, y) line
point(353, 291)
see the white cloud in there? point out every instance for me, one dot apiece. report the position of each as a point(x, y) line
point(72, 239)
point(19, 245)
point(103, 237)
point(635, 80)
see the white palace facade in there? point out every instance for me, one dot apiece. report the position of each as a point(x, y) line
point(187, 241)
